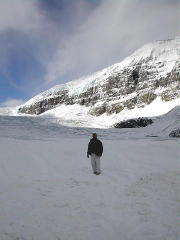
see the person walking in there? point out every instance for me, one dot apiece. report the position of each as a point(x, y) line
point(95, 149)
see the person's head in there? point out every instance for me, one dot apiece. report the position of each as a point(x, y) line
point(94, 135)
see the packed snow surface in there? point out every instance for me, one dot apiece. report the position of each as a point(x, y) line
point(48, 190)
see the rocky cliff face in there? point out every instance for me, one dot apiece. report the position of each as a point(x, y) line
point(153, 70)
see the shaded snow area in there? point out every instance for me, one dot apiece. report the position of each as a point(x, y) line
point(48, 190)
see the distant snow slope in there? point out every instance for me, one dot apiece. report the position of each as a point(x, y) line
point(26, 127)
point(77, 116)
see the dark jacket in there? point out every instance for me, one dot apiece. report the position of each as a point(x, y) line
point(95, 146)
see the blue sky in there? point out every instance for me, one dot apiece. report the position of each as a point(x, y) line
point(48, 42)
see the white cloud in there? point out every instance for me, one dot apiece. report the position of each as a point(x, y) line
point(11, 102)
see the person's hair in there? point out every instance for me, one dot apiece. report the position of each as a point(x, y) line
point(94, 134)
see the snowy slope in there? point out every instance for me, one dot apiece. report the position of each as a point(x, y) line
point(77, 116)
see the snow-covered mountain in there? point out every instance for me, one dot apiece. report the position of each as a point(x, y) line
point(150, 73)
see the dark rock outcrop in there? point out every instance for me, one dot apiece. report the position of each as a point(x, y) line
point(134, 123)
point(175, 133)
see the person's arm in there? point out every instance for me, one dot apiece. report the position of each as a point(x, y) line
point(89, 149)
point(101, 148)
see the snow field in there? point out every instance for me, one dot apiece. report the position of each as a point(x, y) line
point(48, 191)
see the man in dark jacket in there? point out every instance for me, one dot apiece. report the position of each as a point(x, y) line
point(95, 149)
